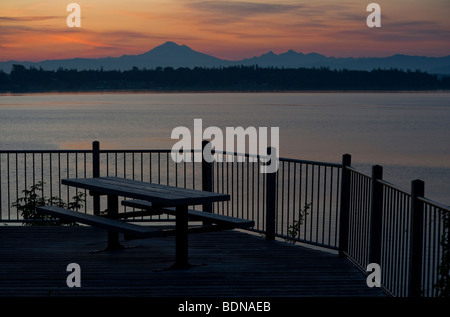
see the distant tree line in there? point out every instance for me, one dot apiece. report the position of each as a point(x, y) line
point(234, 78)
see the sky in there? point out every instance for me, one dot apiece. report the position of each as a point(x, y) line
point(32, 30)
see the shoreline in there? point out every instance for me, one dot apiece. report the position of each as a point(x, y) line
point(218, 91)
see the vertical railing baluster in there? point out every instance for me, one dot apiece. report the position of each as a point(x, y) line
point(324, 203)
point(337, 215)
point(167, 169)
point(383, 264)
point(344, 207)
point(397, 237)
point(416, 236)
point(223, 185)
point(271, 191)
point(438, 245)
point(8, 186)
point(305, 219)
point(150, 167)
point(237, 189)
point(433, 245)
point(391, 236)
point(96, 173)
point(248, 190)
point(159, 168)
point(84, 175)
point(259, 191)
point(25, 174)
point(142, 167)
point(50, 174)
point(359, 224)
point(176, 174)
point(207, 178)
point(376, 215)
point(313, 204)
point(253, 190)
point(401, 245)
point(17, 183)
point(293, 193)
point(281, 201)
point(318, 204)
point(1, 189)
point(67, 173)
point(330, 209)
point(107, 164)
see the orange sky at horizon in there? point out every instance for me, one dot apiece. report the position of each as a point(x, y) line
point(32, 30)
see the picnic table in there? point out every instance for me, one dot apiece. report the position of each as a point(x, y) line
point(153, 199)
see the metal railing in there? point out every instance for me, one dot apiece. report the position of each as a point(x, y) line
point(19, 170)
point(402, 232)
point(362, 216)
point(359, 218)
point(296, 183)
point(396, 222)
point(435, 231)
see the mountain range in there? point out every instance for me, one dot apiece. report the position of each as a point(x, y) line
point(173, 55)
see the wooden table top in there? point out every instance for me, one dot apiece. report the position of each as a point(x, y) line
point(156, 193)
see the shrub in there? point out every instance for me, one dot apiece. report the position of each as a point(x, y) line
point(294, 229)
point(443, 284)
point(32, 199)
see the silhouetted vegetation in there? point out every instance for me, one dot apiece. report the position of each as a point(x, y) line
point(235, 78)
point(295, 228)
point(32, 199)
point(443, 284)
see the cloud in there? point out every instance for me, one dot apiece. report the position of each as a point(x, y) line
point(243, 9)
point(30, 18)
point(240, 8)
point(281, 18)
point(407, 30)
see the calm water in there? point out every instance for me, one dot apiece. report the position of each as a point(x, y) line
point(407, 133)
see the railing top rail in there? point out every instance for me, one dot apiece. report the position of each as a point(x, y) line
point(311, 162)
point(280, 158)
point(357, 172)
point(110, 151)
point(390, 185)
point(86, 151)
point(136, 151)
point(434, 204)
point(43, 151)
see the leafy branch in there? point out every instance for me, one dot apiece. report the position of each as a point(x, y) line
point(32, 199)
point(294, 229)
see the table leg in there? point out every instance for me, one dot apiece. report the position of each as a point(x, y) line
point(181, 238)
point(113, 210)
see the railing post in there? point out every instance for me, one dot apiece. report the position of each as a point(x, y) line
point(344, 205)
point(207, 175)
point(271, 193)
point(416, 239)
point(376, 213)
point(96, 173)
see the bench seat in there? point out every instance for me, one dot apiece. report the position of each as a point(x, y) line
point(101, 222)
point(226, 221)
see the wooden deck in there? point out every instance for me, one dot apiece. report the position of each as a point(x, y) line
point(33, 262)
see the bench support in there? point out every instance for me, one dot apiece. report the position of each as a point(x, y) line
point(222, 222)
point(181, 238)
point(113, 211)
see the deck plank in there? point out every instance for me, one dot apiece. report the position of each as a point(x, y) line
point(34, 260)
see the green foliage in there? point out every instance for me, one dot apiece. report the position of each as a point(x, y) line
point(294, 229)
point(443, 284)
point(32, 199)
point(232, 78)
